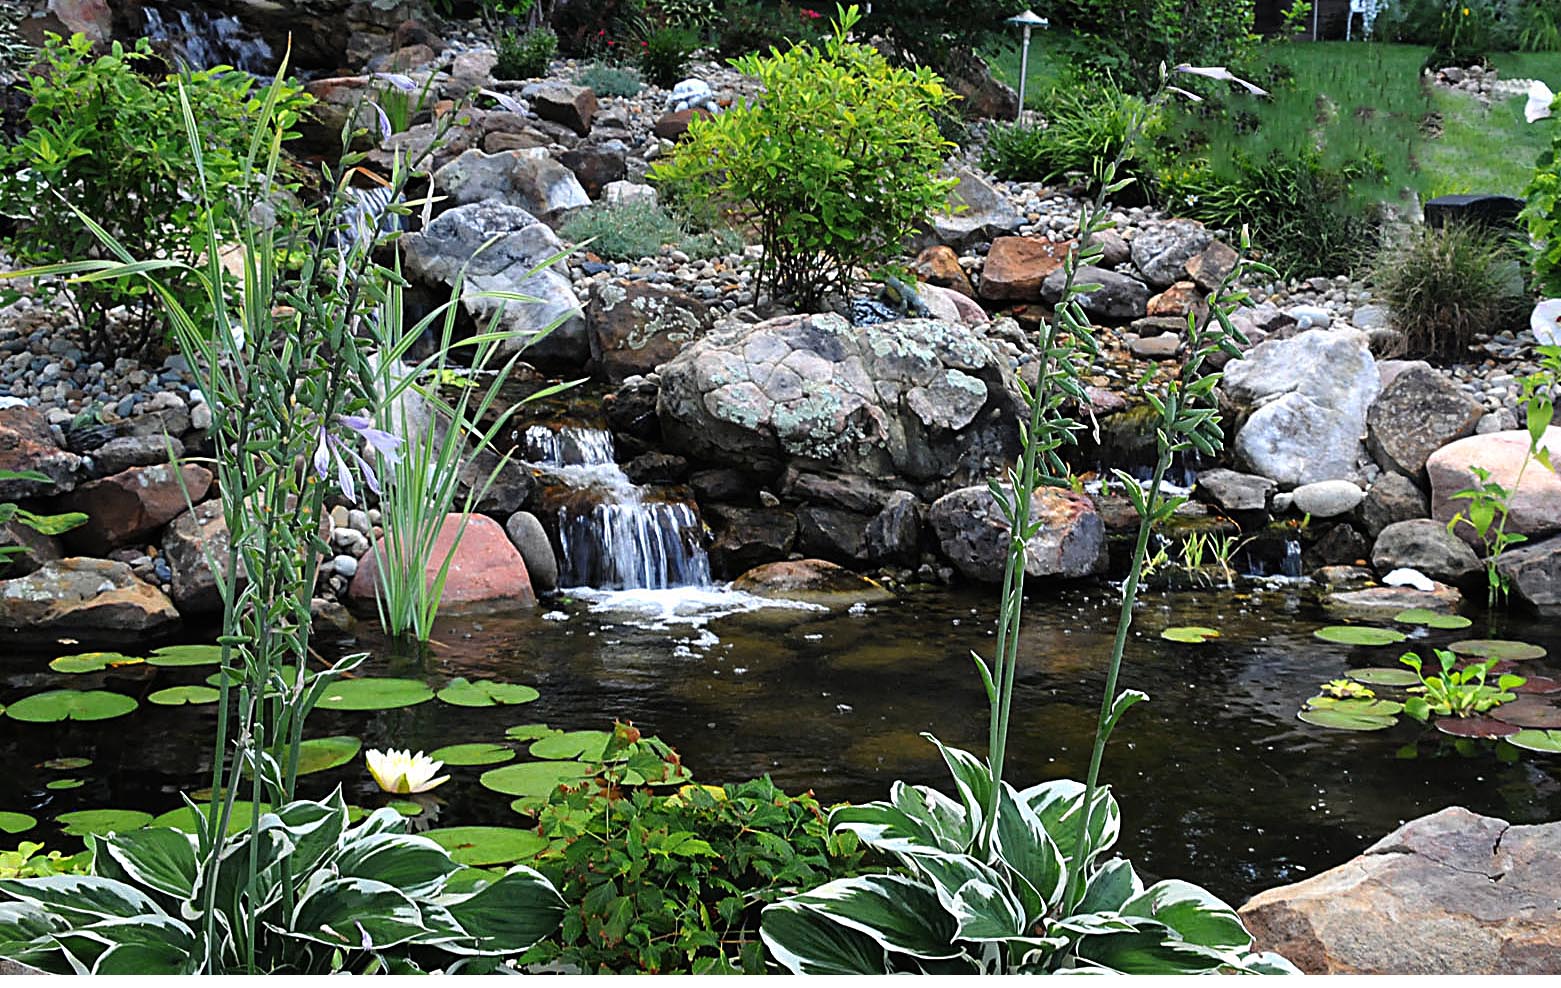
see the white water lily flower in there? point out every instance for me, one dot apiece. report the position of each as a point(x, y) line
point(402, 772)
point(1539, 99)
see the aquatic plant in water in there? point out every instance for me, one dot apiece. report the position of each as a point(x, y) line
point(400, 771)
point(1001, 880)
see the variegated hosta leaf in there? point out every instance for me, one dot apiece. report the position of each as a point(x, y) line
point(356, 914)
point(81, 899)
point(1110, 887)
point(804, 941)
point(510, 914)
point(159, 859)
point(916, 821)
point(1194, 914)
point(898, 913)
point(972, 777)
point(949, 873)
point(986, 912)
point(415, 865)
point(140, 945)
point(1028, 855)
point(1057, 803)
point(1150, 949)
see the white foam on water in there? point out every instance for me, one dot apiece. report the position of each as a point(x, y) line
point(687, 607)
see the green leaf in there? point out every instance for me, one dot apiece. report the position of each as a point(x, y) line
point(1029, 855)
point(972, 778)
point(1375, 676)
point(1431, 619)
point(479, 847)
point(415, 865)
point(324, 754)
point(1112, 885)
point(16, 823)
point(59, 784)
point(1545, 741)
point(589, 745)
point(1195, 914)
point(475, 753)
point(1489, 648)
point(176, 696)
point(80, 705)
point(1191, 635)
point(80, 823)
point(531, 732)
point(82, 899)
point(1346, 720)
point(987, 912)
point(512, 913)
point(1149, 951)
point(533, 778)
point(1351, 634)
point(804, 941)
point(375, 694)
point(161, 859)
point(897, 913)
point(185, 655)
point(357, 913)
point(92, 662)
point(486, 693)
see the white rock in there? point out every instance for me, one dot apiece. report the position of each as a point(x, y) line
point(1410, 578)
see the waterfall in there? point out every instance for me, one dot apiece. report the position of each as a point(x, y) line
point(612, 536)
point(201, 39)
point(1291, 566)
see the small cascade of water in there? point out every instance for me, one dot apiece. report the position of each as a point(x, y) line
point(611, 535)
point(1291, 566)
point(202, 40)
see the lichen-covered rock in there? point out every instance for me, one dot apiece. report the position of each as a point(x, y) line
point(1535, 507)
point(1381, 603)
point(92, 600)
point(974, 535)
point(529, 179)
point(635, 326)
point(918, 399)
point(27, 444)
point(1161, 251)
point(1418, 412)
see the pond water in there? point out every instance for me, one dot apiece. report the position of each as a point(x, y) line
point(1219, 782)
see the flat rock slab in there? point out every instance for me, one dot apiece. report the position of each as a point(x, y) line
point(1382, 603)
point(1450, 893)
point(94, 600)
point(812, 581)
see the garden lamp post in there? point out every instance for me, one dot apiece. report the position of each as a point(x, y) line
point(1027, 20)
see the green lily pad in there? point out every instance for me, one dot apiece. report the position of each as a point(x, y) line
point(178, 696)
point(92, 662)
point(1345, 721)
point(184, 818)
point(533, 778)
point(1546, 741)
point(1491, 648)
point(1431, 619)
point(588, 745)
point(65, 764)
point(172, 656)
point(531, 732)
point(486, 693)
point(375, 694)
point(58, 705)
point(407, 807)
point(80, 823)
point(60, 784)
point(1190, 635)
point(324, 754)
point(1356, 705)
point(16, 823)
point(477, 847)
point(1354, 634)
point(1384, 677)
point(477, 753)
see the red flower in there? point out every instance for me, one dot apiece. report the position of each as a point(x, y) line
point(811, 15)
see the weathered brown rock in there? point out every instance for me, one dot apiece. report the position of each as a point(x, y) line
point(1381, 603)
point(132, 504)
point(813, 581)
point(1213, 265)
point(1017, 267)
point(748, 537)
point(1418, 412)
point(486, 574)
point(1450, 893)
point(1536, 502)
point(186, 544)
point(1070, 540)
point(27, 443)
point(93, 600)
point(1177, 301)
point(674, 124)
point(939, 265)
point(635, 326)
point(572, 106)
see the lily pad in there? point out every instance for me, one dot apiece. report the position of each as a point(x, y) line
point(477, 753)
point(1546, 741)
point(324, 754)
point(1530, 711)
point(407, 807)
point(80, 823)
point(588, 745)
point(1475, 727)
point(178, 696)
point(375, 694)
point(1493, 648)
point(1354, 634)
point(1374, 676)
point(1431, 619)
point(1538, 685)
point(172, 656)
point(531, 732)
point(478, 847)
point(486, 693)
point(58, 705)
point(1189, 635)
point(533, 778)
point(184, 817)
point(92, 662)
point(1356, 705)
point(71, 764)
point(62, 784)
point(1343, 720)
point(16, 823)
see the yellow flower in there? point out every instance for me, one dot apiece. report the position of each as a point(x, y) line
point(403, 772)
point(1466, 11)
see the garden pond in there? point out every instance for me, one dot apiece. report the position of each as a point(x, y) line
point(1220, 782)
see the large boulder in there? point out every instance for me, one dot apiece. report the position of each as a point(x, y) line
point(1017, 267)
point(974, 535)
point(1119, 298)
point(448, 247)
point(1427, 546)
point(1535, 507)
point(747, 537)
point(636, 326)
point(529, 179)
point(92, 600)
point(27, 444)
point(1161, 251)
point(919, 399)
point(486, 574)
point(1450, 893)
point(977, 214)
point(132, 504)
point(1418, 413)
point(1534, 571)
point(1305, 400)
point(186, 545)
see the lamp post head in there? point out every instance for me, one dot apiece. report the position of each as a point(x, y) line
point(1029, 19)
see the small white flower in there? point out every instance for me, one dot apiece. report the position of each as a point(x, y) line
point(1539, 99)
point(402, 772)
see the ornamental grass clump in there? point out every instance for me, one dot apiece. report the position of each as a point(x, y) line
point(835, 164)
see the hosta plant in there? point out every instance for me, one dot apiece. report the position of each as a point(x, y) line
point(331, 898)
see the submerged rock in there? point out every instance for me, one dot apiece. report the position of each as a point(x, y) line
point(813, 581)
point(1382, 603)
point(1450, 893)
point(974, 535)
point(486, 574)
point(94, 600)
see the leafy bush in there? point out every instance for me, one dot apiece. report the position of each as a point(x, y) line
point(1446, 284)
point(331, 898)
point(674, 884)
point(694, 14)
point(835, 166)
point(610, 80)
point(525, 55)
point(664, 55)
point(751, 27)
point(28, 861)
point(1086, 126)
point(633, 230)
point(1131, 39)
point(104, 139)
point(1539, 26)
point(1542, 214)
point(1459, 32)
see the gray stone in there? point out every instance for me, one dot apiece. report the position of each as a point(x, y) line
point(1427, 546)
point(1156, 347)
point(1535, 572)
point(1327, 498)
point(1392, 498)
point(635, 327)
point(1382, 603)
point(28, 444)
point(530, 180)
point(974, 536)
point(92, 600)
point(560, 102)
point(894, 534)
point(528, 536)
point(1234, 491)
point(186, 545)
point(814, 581)
point(1450, 893)
point(1120, 297)
point(833, 534)
point(1161, 251)
point(1417, 413)
point(987, 214)
point(124, 452)
point(747, 537)
point(36, 549)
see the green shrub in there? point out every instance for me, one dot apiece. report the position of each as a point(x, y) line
point(664, 55)
point(610, 80)
point(633, 230)
point(105, 139)
point(525, 55)
point(694, 14)
point(1131, 39)
point(675, 884)
point(836, 166)
point(1086, 126)
point(1539, 26)
point(598, 27)
point(1446, 284)
point(1542, 213)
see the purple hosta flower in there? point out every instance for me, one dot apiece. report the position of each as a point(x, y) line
point(385, 130)
point(330, 450)
point(506, 102)
point(405, 83)
point(1223, 74)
